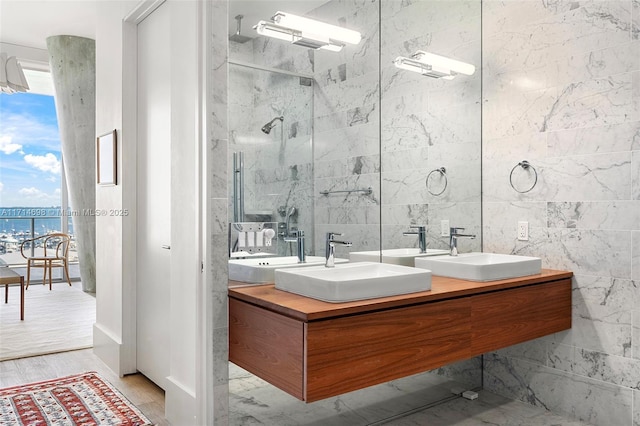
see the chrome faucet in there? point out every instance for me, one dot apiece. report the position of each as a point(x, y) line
point(286, 233)
point(330, 248)
point(298, 238)
point(422, 237)
point(453, 239)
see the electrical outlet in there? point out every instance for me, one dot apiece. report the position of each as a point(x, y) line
point(444, 228)
point(523, 231)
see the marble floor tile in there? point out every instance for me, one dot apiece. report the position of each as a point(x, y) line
point(253, 401)
point(489, 409)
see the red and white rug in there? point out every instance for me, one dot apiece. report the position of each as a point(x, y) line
point(83, 399)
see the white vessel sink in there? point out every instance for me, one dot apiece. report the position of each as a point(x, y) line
point(261, 271)
point(402, 256)
point(353, 281)
point(481, 266)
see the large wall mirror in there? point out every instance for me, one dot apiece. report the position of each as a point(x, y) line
point(431, 127)
point(304, 130)
point(369, 141)
point(348, 142)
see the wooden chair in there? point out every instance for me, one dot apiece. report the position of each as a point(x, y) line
point(56, 252)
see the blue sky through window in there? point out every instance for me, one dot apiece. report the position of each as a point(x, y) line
point(29, 151)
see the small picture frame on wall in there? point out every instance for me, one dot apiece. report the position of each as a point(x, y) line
point(106, 158)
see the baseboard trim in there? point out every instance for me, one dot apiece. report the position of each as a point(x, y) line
point(110, 350)
point(180, 403)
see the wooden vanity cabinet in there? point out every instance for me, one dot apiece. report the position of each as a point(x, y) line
point(269, 345)
point(314, 350)
point(349, 353)
point(516, 315)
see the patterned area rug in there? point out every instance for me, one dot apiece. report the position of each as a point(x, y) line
point(82, 399)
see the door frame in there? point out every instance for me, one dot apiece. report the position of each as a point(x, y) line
point(205, 362)
point(204, 316)
point(154, 146)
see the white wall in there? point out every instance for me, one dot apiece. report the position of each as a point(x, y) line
point(114, 331)
point(185, 245)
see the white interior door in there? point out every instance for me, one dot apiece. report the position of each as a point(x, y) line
point(154, 197)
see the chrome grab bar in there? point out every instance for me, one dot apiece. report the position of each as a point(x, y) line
point(366, 191)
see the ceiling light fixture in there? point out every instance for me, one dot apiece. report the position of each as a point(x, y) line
point(12, 78)
point(307, 32)
point(432, 65)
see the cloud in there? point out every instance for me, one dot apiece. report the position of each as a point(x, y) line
point(29, 196)
point(1, 186)
point(45, 163)
point(33, 196)
point(27, 130)
point(29, 192)
point(7, 146)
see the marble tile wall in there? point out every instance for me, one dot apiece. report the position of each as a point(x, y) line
point(215, 203)
point(561, 90)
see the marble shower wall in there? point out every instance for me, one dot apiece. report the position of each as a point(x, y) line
point(561, 88)
point(430, 123)
point(346, 130)
point(278, 166)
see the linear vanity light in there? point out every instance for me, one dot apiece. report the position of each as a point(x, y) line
point(307, 32)
point(432, 65)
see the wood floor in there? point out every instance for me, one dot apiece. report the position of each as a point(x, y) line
point(55, 320)
point(143, 393)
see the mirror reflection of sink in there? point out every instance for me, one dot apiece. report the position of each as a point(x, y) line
point(353, 281)
point(481, 266)
point(401, 256)
point(261, 270)
point(247, 255)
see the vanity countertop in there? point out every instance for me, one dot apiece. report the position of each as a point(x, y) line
point(307, 309)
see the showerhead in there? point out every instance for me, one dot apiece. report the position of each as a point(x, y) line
point(270, 125)
point(237, 37)
point(291, 212)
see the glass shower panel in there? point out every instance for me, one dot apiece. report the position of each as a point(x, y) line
point(270, 122)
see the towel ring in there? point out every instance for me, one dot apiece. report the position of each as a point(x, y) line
point(526, 166)
point(443, 172)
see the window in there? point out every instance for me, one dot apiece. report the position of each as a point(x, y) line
point(32, 183)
